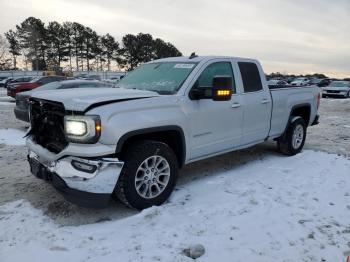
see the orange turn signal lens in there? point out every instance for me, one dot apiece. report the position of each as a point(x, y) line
point(223, 92)
point(98, 128)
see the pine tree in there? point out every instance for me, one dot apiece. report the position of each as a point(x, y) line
point(32, 35)
point(110, 49)
point(14, 46)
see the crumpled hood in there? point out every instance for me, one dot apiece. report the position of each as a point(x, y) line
point(80, 99)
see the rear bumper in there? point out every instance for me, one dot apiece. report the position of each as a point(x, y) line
point(85, 182)
point(21, 114)
point(316, 122)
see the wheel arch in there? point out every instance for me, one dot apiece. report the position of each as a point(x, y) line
point(172, 135)
point(302, 110)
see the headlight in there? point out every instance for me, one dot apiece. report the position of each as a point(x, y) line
point(76, 128)
point(82, 129)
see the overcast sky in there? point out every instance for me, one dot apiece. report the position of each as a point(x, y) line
point(291, 36)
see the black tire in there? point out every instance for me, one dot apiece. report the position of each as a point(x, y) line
point(133, 157)
point(348, 95)
point(285, 143)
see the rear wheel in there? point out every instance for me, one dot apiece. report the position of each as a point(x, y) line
point(149, 174)
point(292, 142)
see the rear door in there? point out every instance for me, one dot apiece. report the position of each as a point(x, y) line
point(257, 104)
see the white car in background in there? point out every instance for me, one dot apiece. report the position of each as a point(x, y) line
point(277, 82)
point(300, 81)
point(337, 88)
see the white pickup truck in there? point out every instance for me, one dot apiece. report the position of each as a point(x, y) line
point(129, 142)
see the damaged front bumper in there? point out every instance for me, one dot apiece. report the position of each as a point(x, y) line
point(83, 181)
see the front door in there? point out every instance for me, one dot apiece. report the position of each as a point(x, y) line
point(215, 125)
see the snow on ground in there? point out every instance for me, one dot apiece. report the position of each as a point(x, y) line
point(12, 137)
point(6, 100)
point(275, 208)
point(272, 208)
point(7, 103)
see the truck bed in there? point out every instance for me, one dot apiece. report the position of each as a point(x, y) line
point(283, 100)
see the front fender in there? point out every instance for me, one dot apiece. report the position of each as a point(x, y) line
point(129, 117)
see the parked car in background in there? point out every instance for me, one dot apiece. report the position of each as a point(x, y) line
point(92, 77)
point(289, 79)
point(277, 82)
point(81, 76)
point(21, 79)
point(21, 108)
point(4, 81)
point(113, 80)
point(320, 82)
point(324, 82)
point(300, 81)
point(15, 88)
point(337, 88)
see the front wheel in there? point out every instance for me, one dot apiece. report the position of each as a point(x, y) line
point(149, 174)
point(292, 142)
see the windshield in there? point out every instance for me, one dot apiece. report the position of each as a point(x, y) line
point(340, 84)
point(162, 77)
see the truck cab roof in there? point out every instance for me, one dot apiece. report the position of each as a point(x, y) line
point(198, 59)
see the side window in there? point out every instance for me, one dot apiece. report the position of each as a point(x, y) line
point(250, 76)
point(205, 80)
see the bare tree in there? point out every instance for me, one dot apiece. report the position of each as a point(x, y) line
point(3, 47)
point(5, 61)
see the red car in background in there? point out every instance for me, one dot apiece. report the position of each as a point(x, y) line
point(15, 88)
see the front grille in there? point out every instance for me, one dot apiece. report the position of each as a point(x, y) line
point(47, 124)
point(333, 91)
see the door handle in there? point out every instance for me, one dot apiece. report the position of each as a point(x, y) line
point(264, 101)
point(236, 105)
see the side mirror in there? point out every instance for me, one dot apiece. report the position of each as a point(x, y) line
point(222, 88)
point(198, 93)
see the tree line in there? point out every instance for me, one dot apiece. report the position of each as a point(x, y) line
point(48, 47)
